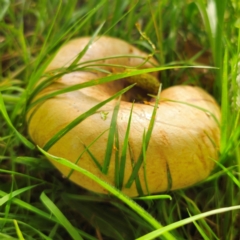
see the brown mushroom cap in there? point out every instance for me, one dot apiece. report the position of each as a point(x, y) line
point(185, 138)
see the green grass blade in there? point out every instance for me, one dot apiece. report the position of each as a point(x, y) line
point(95, 160)
point(224, 104)
point(60, 217)
point(194, 210)
point(144, 162)
point(95, 82)
point(7, 237)
point(116, 148)
point(200, 230)
point(111, 137)
point(83, 52)
point(50, 30)
point(124, 151)
point(79, 119)
point(147, 139)
point(28, 206)
point(154, 197)
point(29, 227)
point(8, 121)
point(137, 181)
point(53, 231)
point(18, 231)
point(21, 175)
point(117, 19)
point(197, 107)
point(86, 149)
point(15, 193)
point(4, 7)
point(66, 35)
point(169, 178)
point(229, 173)
point(233, 142)
point(185, 221)
point(71, 88)
point(202, 8)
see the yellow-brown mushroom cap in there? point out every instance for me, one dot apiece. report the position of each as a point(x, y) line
point(185, 139)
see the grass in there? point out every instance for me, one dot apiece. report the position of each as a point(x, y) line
point(35, 201)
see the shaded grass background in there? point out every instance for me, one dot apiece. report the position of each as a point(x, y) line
point(183, 32)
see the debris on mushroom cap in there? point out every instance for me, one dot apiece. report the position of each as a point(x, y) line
point(184, 142)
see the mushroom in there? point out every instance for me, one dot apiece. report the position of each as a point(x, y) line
point(184, 142)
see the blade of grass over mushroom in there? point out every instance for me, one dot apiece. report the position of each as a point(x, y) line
point(60, 216)
point(185, 221)
point(111, 137)
point(83, 116)
point(137, 181)
point(144, 162)
point(116, 149)
point(124, 151)
point(82, 53)
point(197, 107)
point(147, 139)
point(56, 74)
point(8, 121)
point(169, 177)
point(75, 87)
point(132, 204)
point(86, 149)
point(93, 158)
point(109, 78)
point(100, 62)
